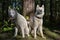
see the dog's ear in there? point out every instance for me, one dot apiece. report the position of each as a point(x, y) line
point(37, 5)
point(42, 6)
point(9, 8)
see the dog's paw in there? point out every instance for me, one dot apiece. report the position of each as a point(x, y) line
point(28, 35)
point(23, 36)
point(14, 36)
point(44, 37)
point(35, 38)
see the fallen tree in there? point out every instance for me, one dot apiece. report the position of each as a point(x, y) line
point(51, 34)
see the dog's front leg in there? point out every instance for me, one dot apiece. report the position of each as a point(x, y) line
point(41, 31)
point(27, 31)
point(22, 29)
point(35, 32)
point(16, 32)
point(35, 28)
point(40, 28)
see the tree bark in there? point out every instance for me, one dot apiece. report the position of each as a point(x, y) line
point(28, 7)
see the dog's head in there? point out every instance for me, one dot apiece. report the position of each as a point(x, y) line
point(12, 14)
point(39, 9)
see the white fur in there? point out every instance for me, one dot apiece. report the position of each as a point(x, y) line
point(21, 21)
point(16, 31)
point(38, 23)
point(12, 12)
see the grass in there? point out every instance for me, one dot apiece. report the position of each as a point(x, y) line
point(47, 33)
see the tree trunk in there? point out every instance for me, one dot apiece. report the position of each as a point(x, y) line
point(28, 7)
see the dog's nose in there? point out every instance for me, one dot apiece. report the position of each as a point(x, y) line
point(11, 16)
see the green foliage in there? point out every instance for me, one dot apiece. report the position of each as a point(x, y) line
point(7, 29)
point(6, 26)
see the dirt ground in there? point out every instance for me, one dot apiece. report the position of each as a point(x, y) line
point(47, 33)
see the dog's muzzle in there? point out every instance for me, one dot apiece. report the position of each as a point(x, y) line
point(38, 17)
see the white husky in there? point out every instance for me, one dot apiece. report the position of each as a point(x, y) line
point(20, 21)
point(38, 20)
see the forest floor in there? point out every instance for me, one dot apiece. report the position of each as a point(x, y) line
point(50, 35)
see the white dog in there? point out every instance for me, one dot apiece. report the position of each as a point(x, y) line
point(20, 21)
point(38, 20)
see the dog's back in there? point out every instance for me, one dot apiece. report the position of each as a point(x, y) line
point(21, 20)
